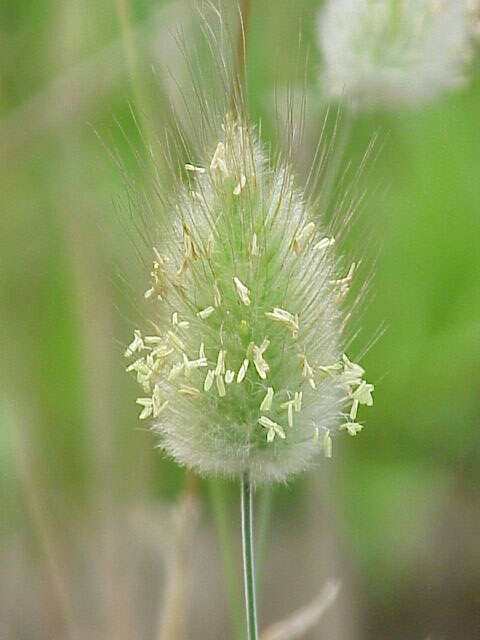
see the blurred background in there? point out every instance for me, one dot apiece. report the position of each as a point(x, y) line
point(103, 537)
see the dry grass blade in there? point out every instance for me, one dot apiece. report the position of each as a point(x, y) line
point(304, 619)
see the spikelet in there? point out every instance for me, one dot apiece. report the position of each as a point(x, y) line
point(249, 375)
point(378, 52)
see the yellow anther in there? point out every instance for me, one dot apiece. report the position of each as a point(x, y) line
point(273, 428)
point(267, 401)
point(239, 186)
point(217, 296)
point(193, 169)
point(220, 386)
point(243, 370)
point(307, 371)
point(189, 391)
point(242, 291)
point(323, 244)
point(136, 344)
point(327, 444)
point(175, 341)
point(218, 160)
point(220, 369)
point(298, 400)
point(302, 239)
point(205, 313)
point(285, 318)
point(207, 385)
point(254, 249)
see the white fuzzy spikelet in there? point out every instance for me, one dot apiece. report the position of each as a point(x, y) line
point(386, 52)
point(248, 374)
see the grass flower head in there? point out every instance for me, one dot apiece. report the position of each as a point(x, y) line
point(242, 369)
point(385, 52)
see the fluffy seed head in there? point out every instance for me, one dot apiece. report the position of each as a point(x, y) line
point(241, 363)
point(245, 369)
point(378, 52)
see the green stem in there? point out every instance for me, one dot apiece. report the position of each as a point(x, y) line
point(248, 563)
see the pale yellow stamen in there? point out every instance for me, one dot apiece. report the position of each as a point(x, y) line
point(160, 277)
point(327, 444)
point(242, 291)
point(220, 369)
point(136, 344)
point(186, 368)
point(302, 239)
point(254, 250)
point(193, 364)
point(243, 370)
point(307, 371)
point(193, 169)
point(364, 393)
point(229, 376)
point(284, 317)
point(256, 353)
point(209, 380)
point(205, 313)
point(331, 369)
point(353, 410)
point(239, 186)
point(181, 324)
point(289, 405)
point(218, 160)
point(298, 400)
point(323, 244)
point(267, 401)
point(189, 250)
point(175, 341)
point(273, 428)
point(263, 347)
point(290, 414)
point(344, 283)
point(138, 365)
point(352, 427)
point(221, 386)
point(147, 404)
point(217, 296)
point(352, 373)
point(189, 391)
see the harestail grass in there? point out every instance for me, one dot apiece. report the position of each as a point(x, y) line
point(241, 360)
point(399, 52)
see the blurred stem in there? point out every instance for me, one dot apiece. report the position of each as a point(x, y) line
point(248, 559)
point(173, 607)
point(230, 570)
point(264, 515)
point(131, 60)
point(44, 532)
